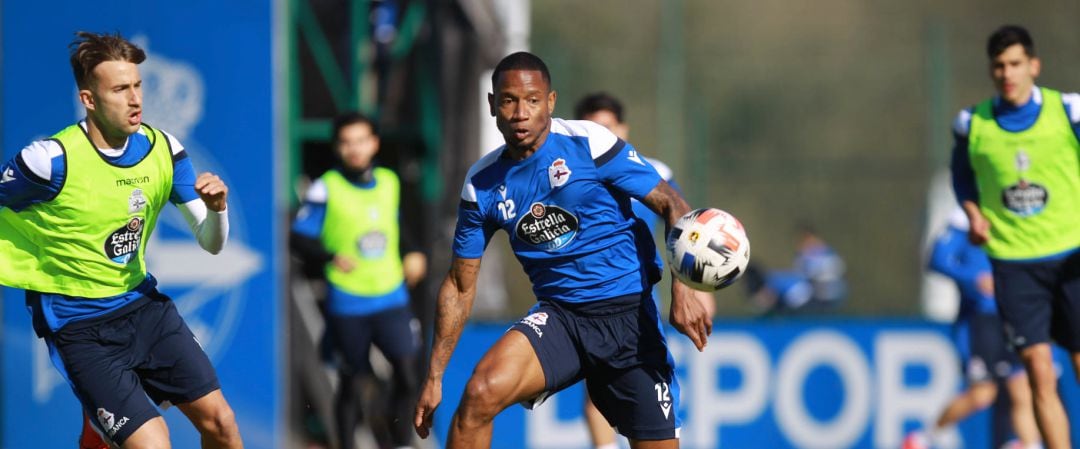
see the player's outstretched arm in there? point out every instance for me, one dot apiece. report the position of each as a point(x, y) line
point(687, 313)
point(451, 312)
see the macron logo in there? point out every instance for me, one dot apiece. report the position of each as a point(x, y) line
point(634, 157)
point(8, 176)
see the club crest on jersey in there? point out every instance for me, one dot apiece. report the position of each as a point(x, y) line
point(558, 173)
point(372, 245)
point(136, 202)
point(547, 227)
point(123, 244)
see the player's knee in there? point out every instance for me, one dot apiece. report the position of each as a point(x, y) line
point(220, 425)
point(480, 400)
point(984, 394)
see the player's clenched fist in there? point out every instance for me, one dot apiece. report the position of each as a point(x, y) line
point(212, 190)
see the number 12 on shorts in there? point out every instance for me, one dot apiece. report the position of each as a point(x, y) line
point(663, 396)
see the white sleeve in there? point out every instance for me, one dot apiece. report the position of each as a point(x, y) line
point(211, 228)
point(961, 125)
point(1072, 100)
point(38, 157)
point(173, 143)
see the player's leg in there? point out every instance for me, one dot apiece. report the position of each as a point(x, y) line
point(600, 431)
point(1068, 311)
point(534, 359)
point(509, 373)
point(977, 397)
point(89, 438)
point(176, 370)
point(643, 404)
point(654, 444)
point(214, 419)
point(397, 335)
point(95, 357)
point(1075, 356)
point(1021, 413)
point(631, 374)
point(153, 434)
point(983, 346)
point(1049, 413)
point(352, 336)
point(1025, 293)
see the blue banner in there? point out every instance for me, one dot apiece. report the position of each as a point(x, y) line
point(773, 384)
point(208, 81)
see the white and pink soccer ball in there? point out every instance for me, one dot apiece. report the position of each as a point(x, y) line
point(708, 249)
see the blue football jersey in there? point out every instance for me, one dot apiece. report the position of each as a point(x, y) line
point(567, 212)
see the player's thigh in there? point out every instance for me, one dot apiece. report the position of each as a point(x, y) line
point(97, 361)
point(396, 333)
point(990, 359)
point(352, 335)
point(1067, 305)
point(1025, 300)
point(654, 444)
point(641, 402)
point(552, 335)
point(176, 370)
point(508, 373)
point(154, 434)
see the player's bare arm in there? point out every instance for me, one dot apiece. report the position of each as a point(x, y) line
point(979, 230)
point(687, 313)
point(212, 190)
point(451, 312)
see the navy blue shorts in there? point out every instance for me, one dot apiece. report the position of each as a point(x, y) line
point(394, 331)
point(617, 345)
point(1040, 301)
point(986, 351)
point(120, 365)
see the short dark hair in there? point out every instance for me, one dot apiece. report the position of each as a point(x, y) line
point(353, 118)
point(521, 60)
point(596, 102)
point(90, 49)
point(1006, 37)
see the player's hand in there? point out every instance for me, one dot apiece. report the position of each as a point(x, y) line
point(414, 265)
point(688, 316)
point(707, 301)
point(985, 283)
point(212, 190)
point(979, 230)
point(430, 397)
point(343, 263)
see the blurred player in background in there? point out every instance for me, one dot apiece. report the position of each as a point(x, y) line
point(606, 110)
point(989, 362)
point(76, 212)
point(815, 283)
point(561, 190)
point(1016, 172)
point(349, 224)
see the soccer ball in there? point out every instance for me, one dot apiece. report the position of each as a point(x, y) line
point(708, 249)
